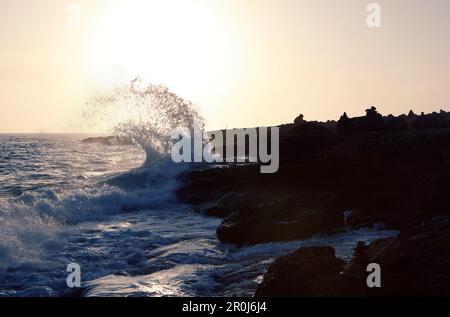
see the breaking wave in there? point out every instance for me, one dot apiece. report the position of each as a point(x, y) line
point(144, 115)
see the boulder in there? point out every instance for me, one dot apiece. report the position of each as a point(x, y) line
point(267, 224)
point(416, 263)
point(309, 271)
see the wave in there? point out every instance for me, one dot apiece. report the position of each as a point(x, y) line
point(146, 115)
point(27, 222)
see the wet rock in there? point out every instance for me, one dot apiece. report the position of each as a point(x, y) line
point(309, 271)
point(399, 177)
point(276, 223)
point(356, 268)
point(417, 263)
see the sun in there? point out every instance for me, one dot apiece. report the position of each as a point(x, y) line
point(184, 44)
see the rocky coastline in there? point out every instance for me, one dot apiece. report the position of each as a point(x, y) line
point(389, 170)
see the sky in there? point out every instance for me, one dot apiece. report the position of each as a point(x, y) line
point(242, 62)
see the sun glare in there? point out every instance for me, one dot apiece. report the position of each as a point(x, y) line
point(183, 44)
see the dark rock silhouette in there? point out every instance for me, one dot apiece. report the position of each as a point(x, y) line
point(299, 120)
point(398, 177)
point(108, 140)
point(396, 123)
point(309, 271)
point(391, 170)
point(283, 218)
point(373, 121)
point(413, 264)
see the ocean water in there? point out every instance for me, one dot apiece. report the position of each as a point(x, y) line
point(63, 201)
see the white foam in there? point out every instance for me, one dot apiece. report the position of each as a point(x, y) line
point(31, 220)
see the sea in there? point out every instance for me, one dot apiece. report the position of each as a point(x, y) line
point(113, 212)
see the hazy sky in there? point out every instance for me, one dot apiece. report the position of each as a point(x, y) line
point(243, 62)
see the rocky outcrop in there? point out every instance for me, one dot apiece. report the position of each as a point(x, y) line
point(399, 178)
point(108, 140)
point(281, 218)
point(306, 272)
point(416, 263)
point(373, 121)
point(391, 170)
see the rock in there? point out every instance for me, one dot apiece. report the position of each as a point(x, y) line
point(276, 223)
point(309, 271)
point(300, 119)
point(211, 209)
point(417, 263)
point(225, 204)
point(356, 268)
point(390, 170)
point(399, 178)
point(108, 140)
